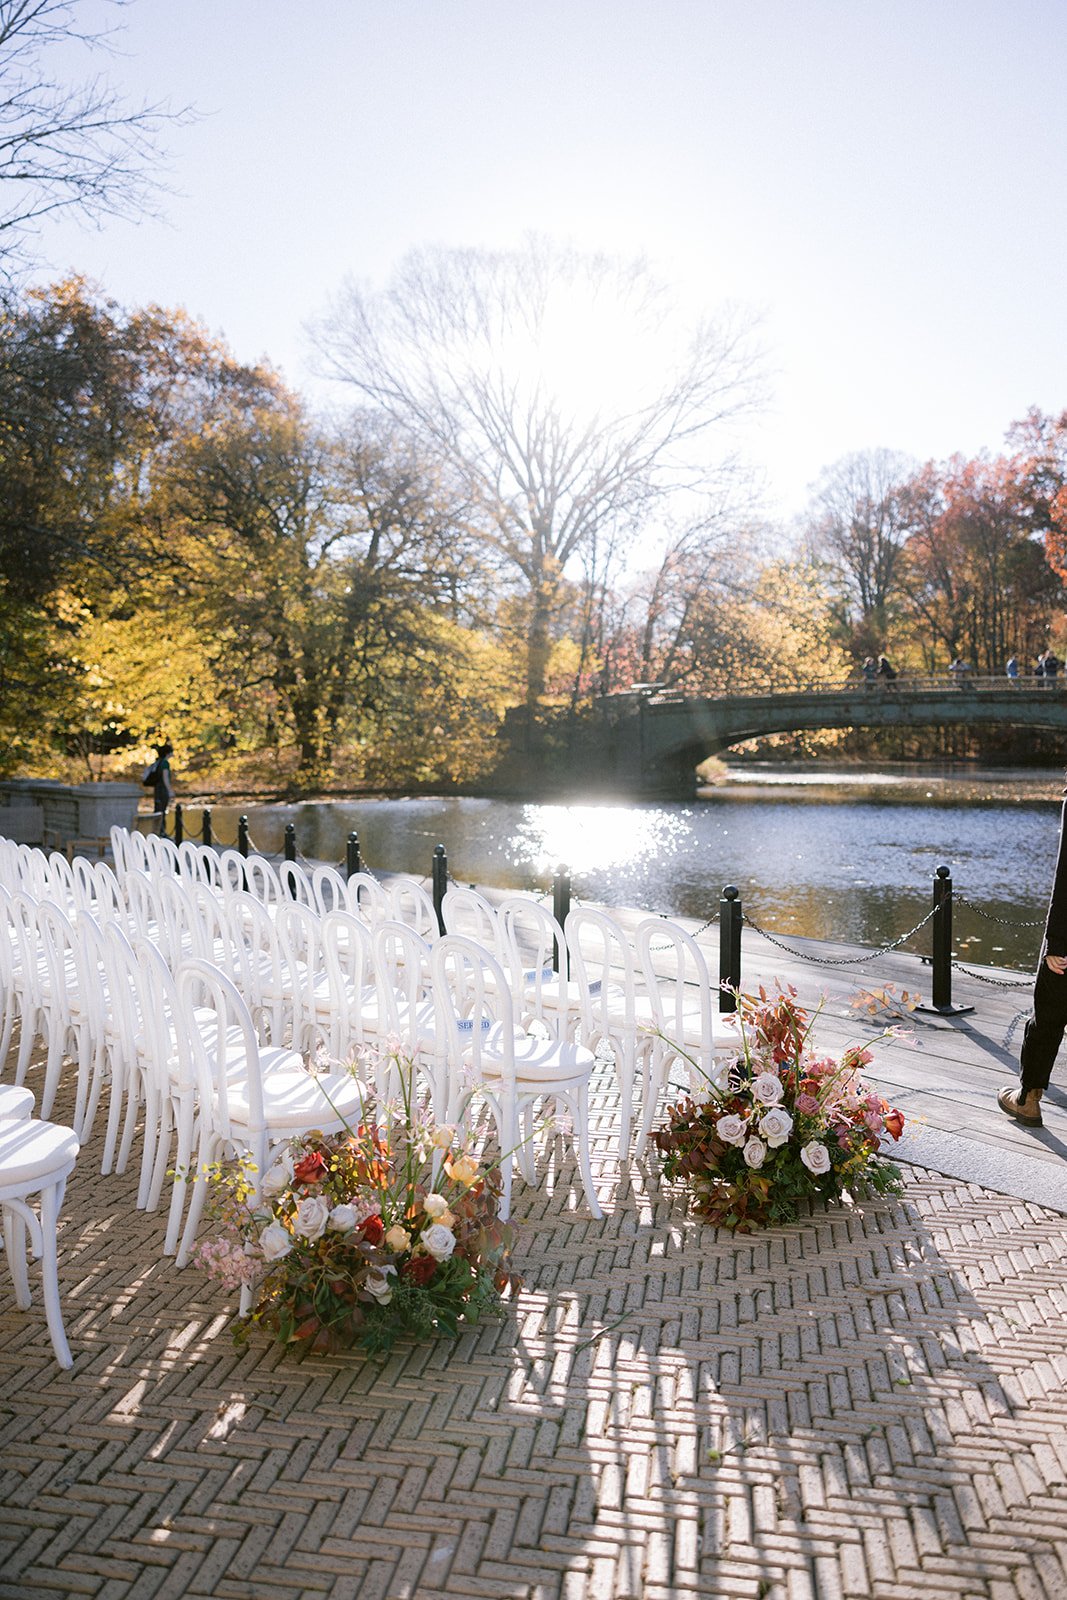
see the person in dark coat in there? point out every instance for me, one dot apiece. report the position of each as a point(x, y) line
point(1047, 1023)
point(162, 787)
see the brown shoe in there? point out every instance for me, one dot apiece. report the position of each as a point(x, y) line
point(1024, 1106)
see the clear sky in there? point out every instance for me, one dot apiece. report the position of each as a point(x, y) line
point(884, 180)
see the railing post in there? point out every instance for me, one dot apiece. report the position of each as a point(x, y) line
point(352, 862)
point(290, 841)
point(242, 835)
point(941, 950)
point(440, 883)
point(205, 828)
point(729, 948)
point(561, 907)
point(179, 825)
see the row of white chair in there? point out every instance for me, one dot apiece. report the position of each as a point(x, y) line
point(610, 991)
point(285, 982)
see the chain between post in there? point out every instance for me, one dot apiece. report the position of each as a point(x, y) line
point(837, 961)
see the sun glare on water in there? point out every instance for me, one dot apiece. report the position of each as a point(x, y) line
point(589, 839)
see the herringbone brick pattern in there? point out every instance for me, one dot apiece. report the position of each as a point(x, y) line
point(870, 1403)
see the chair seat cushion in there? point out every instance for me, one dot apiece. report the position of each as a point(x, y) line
point(537, 1061)
point(294, 1098)
point(33, 1152)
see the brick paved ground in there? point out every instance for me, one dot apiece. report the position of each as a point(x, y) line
point(869, 1403)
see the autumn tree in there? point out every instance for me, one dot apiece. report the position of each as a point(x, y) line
point(93, 404)
point(333, 567)
point(856, 521)
point(977, 581)
point(1038, 470)
point(558, 389)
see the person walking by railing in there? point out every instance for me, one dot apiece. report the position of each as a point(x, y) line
point(1011, 669)
point(1039, 669)
point(158, 776)
point(961, 672)
point(870, 671)
point(1047, 1023)
point(1051, 668)
point(886, 671)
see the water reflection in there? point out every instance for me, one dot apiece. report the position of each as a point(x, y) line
point(856, 868)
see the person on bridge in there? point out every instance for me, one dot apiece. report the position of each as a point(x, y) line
point(886, 671)
point(1047, 1023)
point(1052, 666)
point(870, 670)
point(1011, 669)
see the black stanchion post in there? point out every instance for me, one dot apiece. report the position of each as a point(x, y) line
point(352, 861)
point(205, 829)
point(290, 841)
point(941, 950)
point(729, 947)
point(561, 907)
point(179, 824)
point(242, 835)
point(440, 883)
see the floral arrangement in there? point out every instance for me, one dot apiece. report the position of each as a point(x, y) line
point(779, 1126)
point(361, 1237)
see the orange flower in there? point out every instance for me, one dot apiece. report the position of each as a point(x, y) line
point(894, 1123)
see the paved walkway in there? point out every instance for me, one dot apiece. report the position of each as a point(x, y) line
point(869, 1403)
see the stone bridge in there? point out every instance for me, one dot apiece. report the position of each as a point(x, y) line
point(651, 743)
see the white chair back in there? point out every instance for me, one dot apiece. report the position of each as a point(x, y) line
point(472, 916)
point(409, 902)
point(349, 963)
point(366, 898)
point(329, 890)
point(295, 883)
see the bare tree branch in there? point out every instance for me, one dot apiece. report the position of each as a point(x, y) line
point(78, 148)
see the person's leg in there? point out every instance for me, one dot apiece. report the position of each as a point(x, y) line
point(1042, 1038)
point(1044, 1030)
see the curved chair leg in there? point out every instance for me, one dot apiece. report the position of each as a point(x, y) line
point(51, 1200)
point(28, 1031)
point(15, 1250)
point(655, 1078)
point(53, 1067)
point(579, 1103)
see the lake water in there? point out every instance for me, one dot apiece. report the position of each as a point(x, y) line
point(843, 855)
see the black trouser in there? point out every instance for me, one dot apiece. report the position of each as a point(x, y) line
point(1044, 1030)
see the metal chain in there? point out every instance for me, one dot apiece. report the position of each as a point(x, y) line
point(1003, 922)
point(997, 983)
point(837, 961)
point(665, 916)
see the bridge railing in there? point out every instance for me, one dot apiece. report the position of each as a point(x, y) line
point(903, 683)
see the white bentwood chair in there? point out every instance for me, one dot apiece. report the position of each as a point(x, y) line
point(510, 1069)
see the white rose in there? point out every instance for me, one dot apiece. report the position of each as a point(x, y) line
point(435, 1205)
point(312, 1215)
point(439, 1241)
point(275, 1242)
point(754, 1152)
point(442, 1136)
point(776, 1125)
point(731, 1130)
point(378, 1285)
point(342, 1219)
point(767, 1088)
point(816, 1158)
point(279, 1177)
